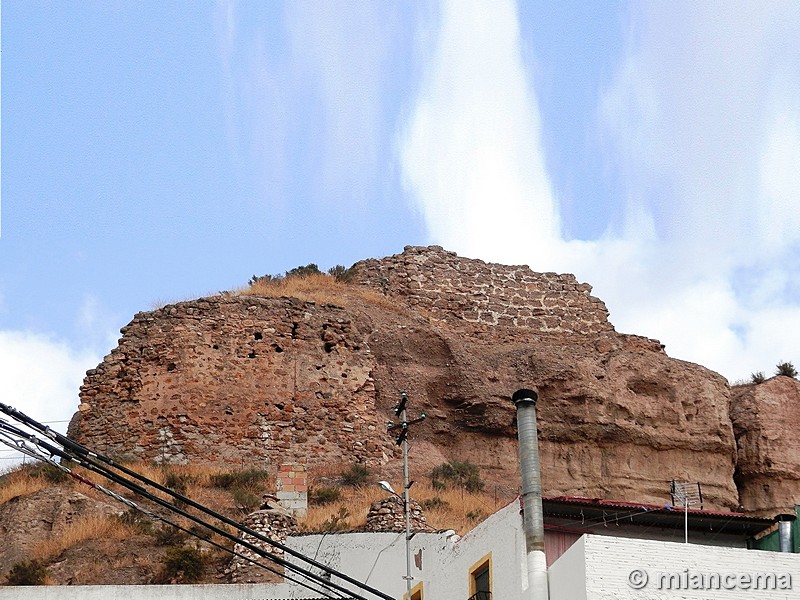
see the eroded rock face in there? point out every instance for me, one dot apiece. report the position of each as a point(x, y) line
point(28, 520)
point(766, 421)
point(273, 380)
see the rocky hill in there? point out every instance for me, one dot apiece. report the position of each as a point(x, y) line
point(243, 378)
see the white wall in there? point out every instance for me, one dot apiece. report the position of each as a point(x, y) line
point(628, 569)
point(379, 558)
point(151, 592)
point(567, 576)
point(501, 534)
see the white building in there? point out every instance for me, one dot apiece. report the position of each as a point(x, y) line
point(448, 567)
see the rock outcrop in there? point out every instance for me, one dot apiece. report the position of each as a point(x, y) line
point(238, 378)
point(766, 422)
point(32, 519)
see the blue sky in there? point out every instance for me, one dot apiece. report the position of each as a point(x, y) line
point(154, 151)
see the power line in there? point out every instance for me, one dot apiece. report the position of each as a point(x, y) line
point(104, 466)
point(32, 446)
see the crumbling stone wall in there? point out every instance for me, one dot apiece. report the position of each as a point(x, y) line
point(387, 515)
point(273, 524)
point(236, 379)
point(243, 379)
point(450, 286)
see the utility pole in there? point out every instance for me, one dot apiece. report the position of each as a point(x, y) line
point(402, 440)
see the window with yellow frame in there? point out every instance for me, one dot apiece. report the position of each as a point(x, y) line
point(480, 579)
point(416, 592)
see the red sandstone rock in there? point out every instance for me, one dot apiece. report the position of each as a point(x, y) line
point(766, 421)
point(271, 380)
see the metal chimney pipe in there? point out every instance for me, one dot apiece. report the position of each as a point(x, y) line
point(533, 516)
point(785, 522)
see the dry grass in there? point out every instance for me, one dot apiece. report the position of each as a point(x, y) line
point(457, 509)
point(20, 483)
point(319, 288)
point(93, 528)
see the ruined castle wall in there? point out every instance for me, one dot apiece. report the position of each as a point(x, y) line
point(450, 286)
point(235, 379)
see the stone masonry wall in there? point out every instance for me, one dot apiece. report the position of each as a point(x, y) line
point(447, 285)
point(236, 379)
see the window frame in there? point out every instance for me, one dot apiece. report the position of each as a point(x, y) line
point(485, 562)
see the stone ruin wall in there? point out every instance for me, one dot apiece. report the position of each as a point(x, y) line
point(241, 379)
point(447, 285)
point(236, 380)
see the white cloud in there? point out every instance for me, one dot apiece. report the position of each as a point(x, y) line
point(471, 151)
point(41, 376)
point(701, 123)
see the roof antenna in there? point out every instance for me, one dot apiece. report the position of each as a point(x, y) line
point(686, 494)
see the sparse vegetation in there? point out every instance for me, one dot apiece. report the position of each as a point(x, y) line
point(456, 473)
point(356, 476)
point(167, 535)
point(341, 273)
point(182, 565)
point(20, 482)
point(239, 479)
point(320, 288)
point(444, 508)
point(30, 572)
point(89, 528)
point(786, 369)
point(333, 506)
point(757, 377)
point(435, 503)
point(246, 486)
point(322, 495)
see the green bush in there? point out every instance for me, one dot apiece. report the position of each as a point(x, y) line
point(435, 503)
point(304, 271)
point(476, 515)
point(356, 476)
point(758, 377)
point(27, 573)
point(786, 369)
point(183, 565)
point(457, 473)
point(341, 273)
point(167, 535)
point(136, 520)
point(178, 482)
point(246, 498)
point(239, 479)
point(323, 495)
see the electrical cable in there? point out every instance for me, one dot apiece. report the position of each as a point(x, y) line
point(86, 461)
point(163, 503)
point(90, 456)
point(20, 446)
